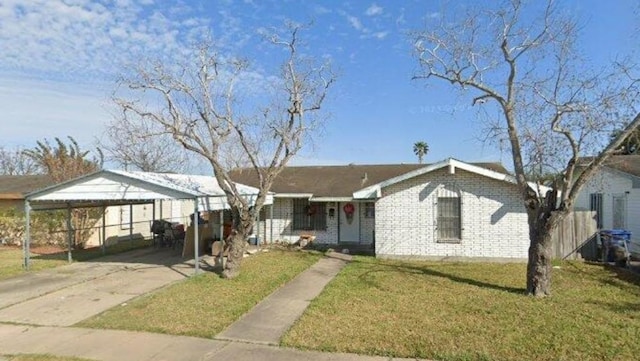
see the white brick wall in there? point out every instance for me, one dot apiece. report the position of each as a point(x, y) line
point(494, 222)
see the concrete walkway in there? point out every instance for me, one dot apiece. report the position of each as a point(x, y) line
point(273, 316)
point(111, 345)
point(66, 295)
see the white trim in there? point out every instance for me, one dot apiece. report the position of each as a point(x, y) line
point(331, 199)
point(375, 190)
point(293, 195)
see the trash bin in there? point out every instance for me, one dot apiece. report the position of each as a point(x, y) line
point(613, 241)
point(253, 240)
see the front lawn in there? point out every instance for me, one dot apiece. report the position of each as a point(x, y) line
point(11, 258)
point(203, 306)
point(473, 311)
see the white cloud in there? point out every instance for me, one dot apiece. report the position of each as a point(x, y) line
point(76, 38)
point(35, 109)
point(321, 10)
point(380, 35)
point(355, 22)
point(374, 10)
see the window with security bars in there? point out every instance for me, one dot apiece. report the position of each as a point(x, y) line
point(595, 201)
point(309, 216)
point(449, 216)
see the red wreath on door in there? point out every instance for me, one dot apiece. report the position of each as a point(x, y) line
point(349, 209)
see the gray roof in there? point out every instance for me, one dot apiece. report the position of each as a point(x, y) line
point(336, 180)
point(16, 186)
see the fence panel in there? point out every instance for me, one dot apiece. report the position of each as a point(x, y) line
point(575, 237)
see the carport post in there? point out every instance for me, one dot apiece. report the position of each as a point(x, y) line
point(69, 235)
point(131, 222)
point(27, 233)
point(104, 229)
point(196, 234)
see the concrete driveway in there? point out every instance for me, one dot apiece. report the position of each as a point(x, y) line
point(66, 295)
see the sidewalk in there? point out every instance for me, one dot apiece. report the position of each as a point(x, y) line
point(111, 345)
point(273, 316)
point(253, 337)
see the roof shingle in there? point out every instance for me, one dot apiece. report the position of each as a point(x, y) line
point(16, 186)
point(335, 181)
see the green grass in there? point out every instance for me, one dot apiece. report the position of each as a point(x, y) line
point(473, 311)
point(39, 357)
point(203, 306)
point(11, 258)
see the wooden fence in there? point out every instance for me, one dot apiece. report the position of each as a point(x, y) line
point(576, 237)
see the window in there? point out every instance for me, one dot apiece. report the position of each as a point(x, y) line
point(595, 200)
point(369, 210)
point(125, 217)
point(309, 216)
point(449, 225)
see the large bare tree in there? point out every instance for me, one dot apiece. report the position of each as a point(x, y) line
point(520, 64)
point(140, 144)
point(218, 107)
point(15, 162)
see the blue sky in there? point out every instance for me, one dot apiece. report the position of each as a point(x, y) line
point(60, 58)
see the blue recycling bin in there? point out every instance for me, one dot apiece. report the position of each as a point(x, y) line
point(612, 238)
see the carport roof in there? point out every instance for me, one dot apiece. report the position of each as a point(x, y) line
point(116, 187)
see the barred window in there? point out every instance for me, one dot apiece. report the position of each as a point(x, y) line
point(449, 216)
point(309, 216)
point(596, 205)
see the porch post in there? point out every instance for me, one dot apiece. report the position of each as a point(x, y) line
point(221, 253)
point(196, 235)
point(27, 234)
point(104, 230)
point(257, 220)
point(69, 234)
point(271, 221)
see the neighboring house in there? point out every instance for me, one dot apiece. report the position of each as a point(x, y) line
point(447, 209)
point(14, 187)
point(121, 221)
point(614, 193)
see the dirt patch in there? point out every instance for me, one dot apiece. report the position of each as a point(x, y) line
point(47, 249)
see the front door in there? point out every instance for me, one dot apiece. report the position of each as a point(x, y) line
point(349, 222)
point(619, 211)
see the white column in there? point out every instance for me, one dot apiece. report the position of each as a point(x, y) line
point(196, 235)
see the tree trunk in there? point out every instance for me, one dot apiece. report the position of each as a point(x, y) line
point(539, 266)
point(236, 253)
point(541, 226)
point(242, 226)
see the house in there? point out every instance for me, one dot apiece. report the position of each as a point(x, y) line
point(614, 193)
point(446, 209)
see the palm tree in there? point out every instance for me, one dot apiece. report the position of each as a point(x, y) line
point(421, 149)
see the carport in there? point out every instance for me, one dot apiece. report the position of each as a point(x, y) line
point(106, 188)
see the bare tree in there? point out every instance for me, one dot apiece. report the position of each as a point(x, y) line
point(15, 162)
point(211, 105)
point(538, 93)
point(141, 145)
